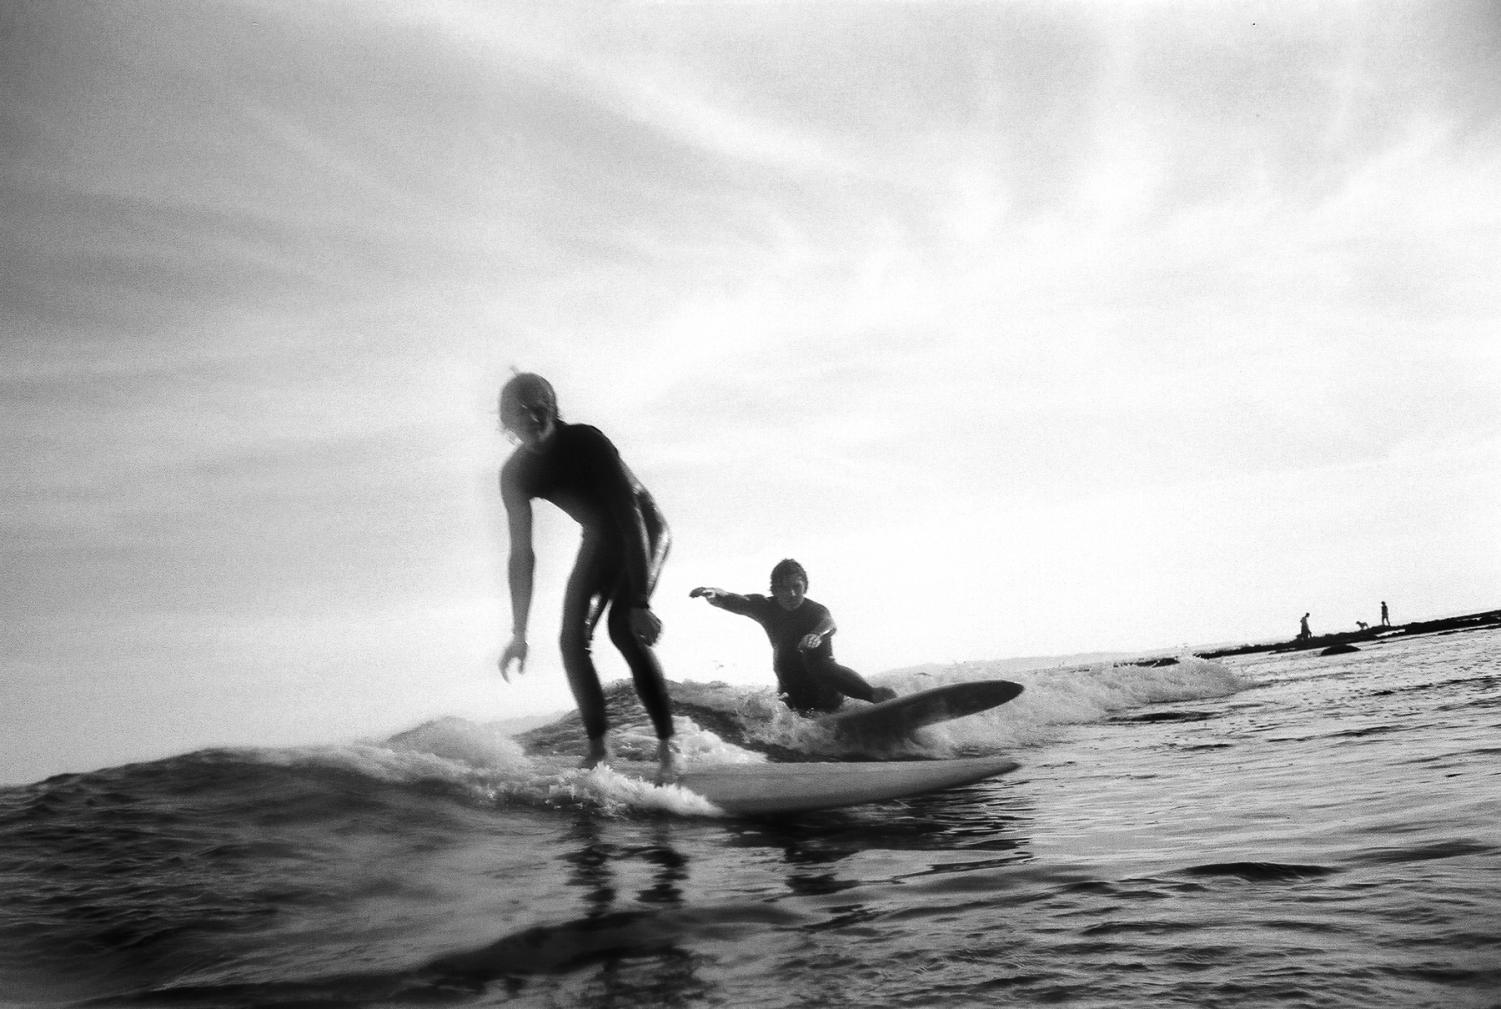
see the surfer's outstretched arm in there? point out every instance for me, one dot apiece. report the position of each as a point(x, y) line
point(720, 598)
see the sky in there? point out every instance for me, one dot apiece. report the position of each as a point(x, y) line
point(1031, 329)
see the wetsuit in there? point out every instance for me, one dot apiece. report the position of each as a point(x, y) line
point(810, 680)
point(625, 540)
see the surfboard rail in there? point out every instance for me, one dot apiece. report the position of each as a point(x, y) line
point(779, 789)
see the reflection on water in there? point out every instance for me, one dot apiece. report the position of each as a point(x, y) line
point(642, 930)
point(989, 817)
point(642, 951)
point(594, 864)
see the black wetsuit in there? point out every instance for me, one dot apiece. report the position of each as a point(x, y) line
point(810, 680)
point(580, 471)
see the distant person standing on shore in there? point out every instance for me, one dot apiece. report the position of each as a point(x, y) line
point(1386, 620)
point(1303, 632)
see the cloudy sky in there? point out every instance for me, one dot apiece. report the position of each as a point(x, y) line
point(1031, 329)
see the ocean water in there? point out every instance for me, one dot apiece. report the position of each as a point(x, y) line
point(1271, 830)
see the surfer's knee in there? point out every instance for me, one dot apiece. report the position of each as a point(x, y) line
point(619, 629)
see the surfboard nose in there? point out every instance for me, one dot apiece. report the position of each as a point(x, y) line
point(903, 715)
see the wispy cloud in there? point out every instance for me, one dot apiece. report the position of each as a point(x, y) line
point(1049, 311)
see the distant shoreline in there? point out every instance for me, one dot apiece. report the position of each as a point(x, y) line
point(1469, 622)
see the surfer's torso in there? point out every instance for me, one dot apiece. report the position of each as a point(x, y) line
point(580, 471)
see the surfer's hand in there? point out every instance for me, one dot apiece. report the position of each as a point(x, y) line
point(810, 642)
point(515, 652)
point(707, 593)
point(645, 625)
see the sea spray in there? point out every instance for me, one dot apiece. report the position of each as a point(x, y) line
point(718, 723)
point(721, 723)
point(612, 793)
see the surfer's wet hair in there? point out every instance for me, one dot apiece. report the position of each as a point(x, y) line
point(786, 570)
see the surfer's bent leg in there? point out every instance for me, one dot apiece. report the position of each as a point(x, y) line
point(574, 640)
point(646, 670)
point(803, 690)
point(824, 671)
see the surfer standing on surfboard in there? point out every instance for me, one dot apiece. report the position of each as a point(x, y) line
point(625, 541)
point(801, 654)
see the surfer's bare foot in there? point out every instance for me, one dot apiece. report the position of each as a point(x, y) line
point(669, 762)
point(598, 753)
point(882, 694)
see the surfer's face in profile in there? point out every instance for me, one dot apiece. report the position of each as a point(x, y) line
point(789, 592)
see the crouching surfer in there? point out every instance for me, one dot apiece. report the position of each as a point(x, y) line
point(625, 540)
point(802, 656)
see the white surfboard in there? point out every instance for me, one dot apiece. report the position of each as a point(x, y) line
point(779, 789)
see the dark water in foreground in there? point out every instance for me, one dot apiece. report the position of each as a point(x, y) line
point(1272, 831)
